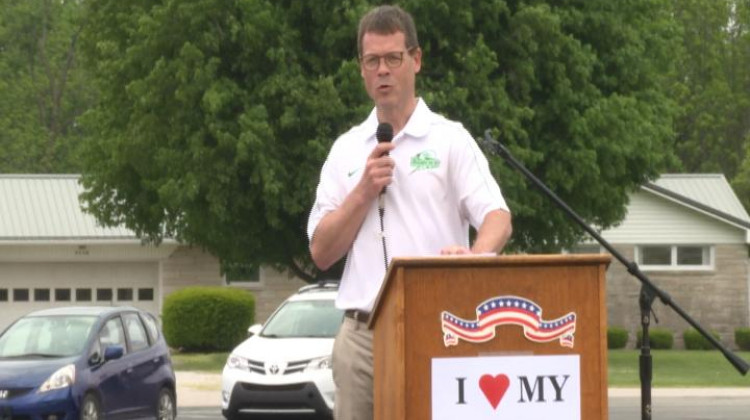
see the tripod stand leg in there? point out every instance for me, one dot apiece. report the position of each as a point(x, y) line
point(646, 366)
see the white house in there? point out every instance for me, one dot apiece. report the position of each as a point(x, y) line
point(52, 253)
point(689, 234)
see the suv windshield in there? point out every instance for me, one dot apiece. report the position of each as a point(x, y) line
point(46, 336)
point(304, 318)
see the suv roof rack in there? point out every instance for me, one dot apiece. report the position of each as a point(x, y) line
point(323, 285)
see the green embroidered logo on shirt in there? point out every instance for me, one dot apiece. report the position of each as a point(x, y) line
point(424, 160)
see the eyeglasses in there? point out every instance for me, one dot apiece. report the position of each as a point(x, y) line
point(392, 60)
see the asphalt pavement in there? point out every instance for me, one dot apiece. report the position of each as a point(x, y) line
point(201, 389)
point(198, 389)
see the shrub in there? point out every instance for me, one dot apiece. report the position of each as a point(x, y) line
point(694, 340)
point(617, 337)
point(659, 338)
point(742, 338)
point(207, 318)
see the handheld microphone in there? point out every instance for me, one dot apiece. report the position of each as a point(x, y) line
point(384, 134)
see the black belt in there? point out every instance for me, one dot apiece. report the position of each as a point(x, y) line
point(357, 315)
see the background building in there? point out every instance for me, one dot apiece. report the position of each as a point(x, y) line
point(689, 234)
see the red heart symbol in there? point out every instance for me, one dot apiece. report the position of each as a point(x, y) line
point(494, 388)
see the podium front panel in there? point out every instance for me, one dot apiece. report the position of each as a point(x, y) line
point(409, 313)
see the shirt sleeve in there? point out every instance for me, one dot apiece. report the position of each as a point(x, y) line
point(477, 190)
point(329, 194)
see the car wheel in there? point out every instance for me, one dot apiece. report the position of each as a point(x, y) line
point(90, 408)
point(165, 408)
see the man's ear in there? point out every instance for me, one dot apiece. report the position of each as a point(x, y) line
point(417, 55)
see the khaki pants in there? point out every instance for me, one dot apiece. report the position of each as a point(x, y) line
point(352, 371)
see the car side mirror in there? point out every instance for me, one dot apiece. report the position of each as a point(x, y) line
point(113, 352)
point(95, 358)
point(254, 330)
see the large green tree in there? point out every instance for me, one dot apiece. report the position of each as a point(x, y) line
point(712, 85)
point(44, 89)
point(216, 115)
point(740, 30)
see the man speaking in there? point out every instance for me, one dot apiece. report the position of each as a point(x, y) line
point(438, 183)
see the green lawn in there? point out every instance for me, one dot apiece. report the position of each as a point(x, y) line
point(675, 368)
point(206, 362)
point(672, 368)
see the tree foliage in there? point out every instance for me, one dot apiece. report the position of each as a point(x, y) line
point(43, 87)
point(740, 106)
point(713, 85)
point(215, 116)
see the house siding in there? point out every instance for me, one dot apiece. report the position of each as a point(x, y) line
point(273, 289)
point(189, 266)
point(655, 220)
point(716, 299)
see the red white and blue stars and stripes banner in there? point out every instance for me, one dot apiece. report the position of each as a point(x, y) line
point(508, 310)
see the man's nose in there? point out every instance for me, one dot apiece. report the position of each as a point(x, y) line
point(382, 67)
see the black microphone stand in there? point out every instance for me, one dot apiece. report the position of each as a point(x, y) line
point(649, 291)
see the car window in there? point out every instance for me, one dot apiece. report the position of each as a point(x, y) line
point(111, 334)
point(306, 318)
point(136, 331)
point(151, 327)
point(46, 336)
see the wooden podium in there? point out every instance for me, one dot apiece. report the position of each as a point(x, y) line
point(408, 313)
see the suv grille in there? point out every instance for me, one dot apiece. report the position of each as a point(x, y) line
point(293, 367)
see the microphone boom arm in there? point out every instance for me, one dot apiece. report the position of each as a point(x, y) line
point(649, 290)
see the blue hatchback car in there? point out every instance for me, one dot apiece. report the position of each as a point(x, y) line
point(86, 363)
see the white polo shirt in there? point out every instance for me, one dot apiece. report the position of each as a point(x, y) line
point(441, 184)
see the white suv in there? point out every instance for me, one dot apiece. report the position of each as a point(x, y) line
point(285, 365)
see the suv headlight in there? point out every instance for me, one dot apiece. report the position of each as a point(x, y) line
point(64, 377)
point(237, 362)
point(319, 363)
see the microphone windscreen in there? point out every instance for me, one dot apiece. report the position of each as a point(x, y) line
point(384, 133)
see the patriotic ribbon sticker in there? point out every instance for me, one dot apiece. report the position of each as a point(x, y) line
point(508, 310)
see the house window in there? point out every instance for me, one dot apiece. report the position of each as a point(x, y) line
point(124, 295)
point(675, 257)
point(20, 295)
point(83, 295)
point(656, 255)
point(104, 295)
point(241, 273)
point(62, 295)
point(146, 294)
point(3, 295)
point(41, 295)
point(692, 255)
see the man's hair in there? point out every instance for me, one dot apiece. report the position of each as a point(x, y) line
point(386, 20)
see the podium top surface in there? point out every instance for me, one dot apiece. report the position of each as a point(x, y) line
point(499, 260)
point(475, 261)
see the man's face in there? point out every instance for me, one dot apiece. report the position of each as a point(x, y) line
point(389, 86)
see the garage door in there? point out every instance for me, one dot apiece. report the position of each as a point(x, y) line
point(25, 287)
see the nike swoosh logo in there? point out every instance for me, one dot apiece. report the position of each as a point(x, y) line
point(350, 173)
